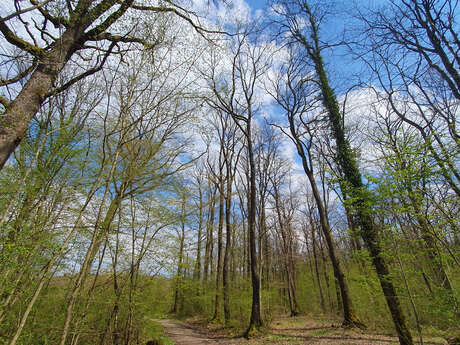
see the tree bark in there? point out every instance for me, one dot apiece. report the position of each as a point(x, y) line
point(217, 317)
point(15, 121)
point(255, 322)
point(228, 243)
point(197, 268)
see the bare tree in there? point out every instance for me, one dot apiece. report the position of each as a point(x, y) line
point(285, 208)
point(411, 49)
point(231, 153)
point(234, 94)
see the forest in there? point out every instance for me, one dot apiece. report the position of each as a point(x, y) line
point(237, 165)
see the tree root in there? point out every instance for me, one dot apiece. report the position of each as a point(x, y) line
point(353, 322)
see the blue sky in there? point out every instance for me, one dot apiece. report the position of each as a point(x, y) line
point(256, 4)
point(338, 60)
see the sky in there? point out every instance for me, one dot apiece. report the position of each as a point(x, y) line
point(341, 69)
point(256, 4)
point(338, 61)
point(337, 69)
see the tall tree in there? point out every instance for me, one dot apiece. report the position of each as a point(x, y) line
point(178, 284)
point(298, 100)
point(308, 37)
point(201, 204)
point(235, 94)
point(231, 154)
point(285, 207)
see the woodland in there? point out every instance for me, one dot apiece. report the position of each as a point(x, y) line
point(208, 159)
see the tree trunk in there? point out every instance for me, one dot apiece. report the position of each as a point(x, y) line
point(99, 234)
point(325, 273)
point(315, 257)
point(218, 300)
point(228, 210)
point(197, 269)
point(287, 254)
point(350, 319)
point(266, 250)
point(15, 121)
point(255, 322)
point(209, 236)
point(178, 283)
point(361, 197)
point(442, 279)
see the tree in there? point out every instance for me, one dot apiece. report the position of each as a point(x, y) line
point(285, 208)
point(178, 286)
point(47, 165)
point(201, 205)
point(231, 153)
point(299, 103)
point(411, 172)
point(361, 199)
point(212, 190)
point(136, 153)
point(219, 181)
point(267, 160)
point(234, 94)
point(411, 50)
point(84, 27)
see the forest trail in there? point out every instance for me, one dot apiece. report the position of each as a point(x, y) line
point(183, 335)
point(310, 332)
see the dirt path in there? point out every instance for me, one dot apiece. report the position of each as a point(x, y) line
point(183, 335)
point(301, 332)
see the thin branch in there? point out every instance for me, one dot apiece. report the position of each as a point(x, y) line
point(57, 21)
point(198, 28)
point(28, 9)
point(18, 77)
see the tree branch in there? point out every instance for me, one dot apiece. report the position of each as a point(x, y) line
point(18, 77)
point(125, 39)
point(4, 101)
point(112, 18)
point(198, 28)
point(83, 75)
point(18, 42)
point(57, 21)
point(28, 9)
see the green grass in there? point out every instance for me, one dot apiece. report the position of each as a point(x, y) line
point(281, 339)
point(322, 332)
point(155, 331)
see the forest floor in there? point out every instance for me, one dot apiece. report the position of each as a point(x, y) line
point(284, 331)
